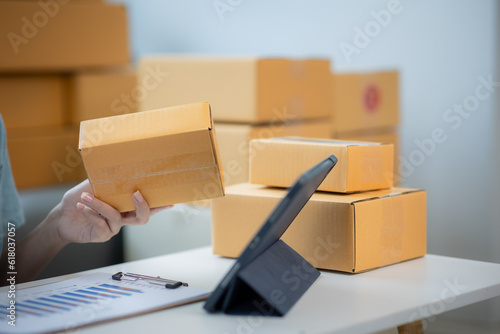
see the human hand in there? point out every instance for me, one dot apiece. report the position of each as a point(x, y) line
point(82, 218)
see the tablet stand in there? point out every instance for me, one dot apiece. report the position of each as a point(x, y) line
point(271, 284)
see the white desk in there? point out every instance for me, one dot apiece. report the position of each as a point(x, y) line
point(336, 303)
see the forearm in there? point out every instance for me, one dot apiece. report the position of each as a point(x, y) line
point(36, 250)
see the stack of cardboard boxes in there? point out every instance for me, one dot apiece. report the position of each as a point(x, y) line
point(356, 221)
point(60, 62)
point(366, 107)
point(250, 98)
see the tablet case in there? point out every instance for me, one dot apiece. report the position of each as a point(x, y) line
point(271, 284)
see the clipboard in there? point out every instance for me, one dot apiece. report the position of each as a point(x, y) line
point(88, 300)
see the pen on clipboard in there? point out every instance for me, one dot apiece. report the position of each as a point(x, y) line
point(167, 283)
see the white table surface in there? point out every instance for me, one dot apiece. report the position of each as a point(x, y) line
point(336, 303)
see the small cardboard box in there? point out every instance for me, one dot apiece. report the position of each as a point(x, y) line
point(44, 156)
point(53, 36)
point(32, 100)
point(97, 94)
point(361, 166)
point(234, 142)
point(385, 135)
point(246, 90)
point(350, 233)
point(169, 154)
point(365, 101)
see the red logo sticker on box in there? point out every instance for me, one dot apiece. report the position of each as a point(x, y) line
point(371, 98)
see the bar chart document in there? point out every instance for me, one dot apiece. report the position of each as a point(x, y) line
point(85, 300)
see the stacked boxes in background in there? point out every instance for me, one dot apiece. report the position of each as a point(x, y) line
point(250, 98)
point(59, 64)
point(356, 222)
point(366, 108)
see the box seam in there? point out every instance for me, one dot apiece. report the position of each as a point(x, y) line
point(154, 174)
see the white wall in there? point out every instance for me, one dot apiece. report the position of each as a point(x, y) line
point(441, 48)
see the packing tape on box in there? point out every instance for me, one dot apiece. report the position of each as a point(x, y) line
point(392, 228)
point(177, 163)
point(171, 172)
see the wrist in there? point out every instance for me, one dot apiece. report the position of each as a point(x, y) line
point(52, 228)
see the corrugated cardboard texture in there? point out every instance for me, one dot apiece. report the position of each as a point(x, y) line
point(169, 154)
point(32, 100)
point(365, 101)
point(60, 37)
point(386, 135)
point(350, 233)
point(361, 166)
point(246, 90)
point(44, 156)
point(234, 142)
point(102, 94)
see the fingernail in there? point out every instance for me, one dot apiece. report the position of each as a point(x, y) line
point(80, 206)
point(138, 197)
point(86, 197)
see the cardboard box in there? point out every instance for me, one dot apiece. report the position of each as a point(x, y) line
point(234, 142)
point(102, 94)
point(32, 100)
point(51, 36)
point(365, 101)
point(386, 135)
point(350, 233)
point(169, 154)
point(44, 156)
point(361, 166)
point(246, 90)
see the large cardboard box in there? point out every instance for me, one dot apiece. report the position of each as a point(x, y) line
point(53, 36)
point(246, 90)
point(361, 166)
point(385, 135)
point(350, 233)
point(32, 100)
point(169, 154)
point(365, 101)
point(44, 156)
point(96, 94)
point(234, 142)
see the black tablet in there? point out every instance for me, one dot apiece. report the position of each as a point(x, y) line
point(274, 226)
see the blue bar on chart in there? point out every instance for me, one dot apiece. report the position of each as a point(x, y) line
point(121, 287)
point(57, 301)
point(3, 309)
point(47, 305)
point(21, 311)
point(81, 296)
point(110, 291)
point(35, 307)
point(95, 293)
point(71, 299)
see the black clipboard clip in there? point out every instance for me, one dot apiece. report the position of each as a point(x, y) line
point(167, 283)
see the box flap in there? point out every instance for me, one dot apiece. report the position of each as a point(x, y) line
point(372, 195)
point(144, 125)
point(256, 190)
point(326, 141)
